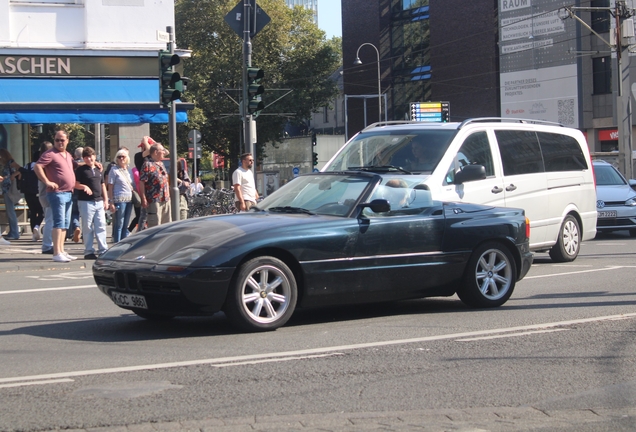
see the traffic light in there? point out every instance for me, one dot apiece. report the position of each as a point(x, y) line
point(254, 90)
point(170, 83)
point(445, 116)
point(315, 158)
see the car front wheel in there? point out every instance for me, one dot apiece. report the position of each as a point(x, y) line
point(490, 276)
point(262, 296)
point(568, 244)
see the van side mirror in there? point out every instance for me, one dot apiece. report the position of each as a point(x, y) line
point(470, 173)
point(377, 205)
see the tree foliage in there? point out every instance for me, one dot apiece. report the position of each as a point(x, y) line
point(292, 51)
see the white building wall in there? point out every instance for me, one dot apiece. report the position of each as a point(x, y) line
point(90, 24)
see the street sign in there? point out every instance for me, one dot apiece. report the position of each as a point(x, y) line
point(259, 20)
point(194, 137)
point(163, 36)
point(295, 171)
point(430, 111)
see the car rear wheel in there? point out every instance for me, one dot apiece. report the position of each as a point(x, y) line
point(262, 296)
point(568, 244)
point(490, 276)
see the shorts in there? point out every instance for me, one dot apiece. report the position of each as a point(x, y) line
point(61, 206)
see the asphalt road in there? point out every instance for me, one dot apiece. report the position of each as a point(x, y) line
point(558, 356)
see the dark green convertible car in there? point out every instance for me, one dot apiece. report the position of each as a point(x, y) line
point(322, 239)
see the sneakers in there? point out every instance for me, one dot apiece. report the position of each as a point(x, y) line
point(47, 252)
point(36, 234)
point(4, 242)
point(76, 234)
point(61, 258)
point(90, 256)
point(70, 257)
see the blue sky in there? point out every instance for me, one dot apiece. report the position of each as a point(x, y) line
point(329, 18)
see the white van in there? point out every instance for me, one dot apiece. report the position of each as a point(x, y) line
point(541, 167)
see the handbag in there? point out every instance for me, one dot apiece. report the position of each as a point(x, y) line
point(136, 199)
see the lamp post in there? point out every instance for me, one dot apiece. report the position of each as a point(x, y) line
point(359, 62)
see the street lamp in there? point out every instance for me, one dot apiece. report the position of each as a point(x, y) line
point(358, 62)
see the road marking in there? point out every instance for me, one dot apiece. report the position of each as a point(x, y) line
point(510, 335)
point(577, 272)
point(310, 351)
point(64, 276)
point(276, 360)
point(48, 289)
point(36, 383)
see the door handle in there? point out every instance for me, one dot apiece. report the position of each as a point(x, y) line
point(511, 187)
point(496, 190)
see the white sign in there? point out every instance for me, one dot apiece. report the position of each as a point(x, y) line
point(510, 5)
point(163, 36)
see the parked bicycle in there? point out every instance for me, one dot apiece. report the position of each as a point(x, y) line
point(211, 202)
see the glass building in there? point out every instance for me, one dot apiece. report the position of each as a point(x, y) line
point(307, 4)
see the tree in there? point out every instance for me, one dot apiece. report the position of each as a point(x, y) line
point(292, 51)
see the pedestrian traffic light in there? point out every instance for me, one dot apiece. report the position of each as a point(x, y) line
point(315, 158)
point(313, 139)
point(169, 80)
point(254, 90)
point(445, 116)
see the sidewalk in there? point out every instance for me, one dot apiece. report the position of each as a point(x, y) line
point(25, 254)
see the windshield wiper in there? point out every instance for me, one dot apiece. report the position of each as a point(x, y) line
point(380, 168)
point(288, 209)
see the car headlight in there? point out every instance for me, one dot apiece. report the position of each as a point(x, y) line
point(116, 251)
point(631, 202)
point(181, 259)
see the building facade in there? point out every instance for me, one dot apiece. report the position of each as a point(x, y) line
point(80, 61)
point(307, 4)
point(508, 58)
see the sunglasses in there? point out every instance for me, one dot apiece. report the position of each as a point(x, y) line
point(121, 157)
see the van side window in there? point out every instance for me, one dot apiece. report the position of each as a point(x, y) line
point(474, 150)
point(520, 152)
point(561, 152)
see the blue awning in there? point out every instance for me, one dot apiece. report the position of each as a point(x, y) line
point(128, 101)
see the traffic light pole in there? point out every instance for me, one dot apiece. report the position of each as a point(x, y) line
point(172, 136)
point(249, 126)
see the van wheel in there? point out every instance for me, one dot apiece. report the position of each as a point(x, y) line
point(568, 244)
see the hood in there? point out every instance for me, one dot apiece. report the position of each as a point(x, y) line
point(614, 193)
point(209, 232)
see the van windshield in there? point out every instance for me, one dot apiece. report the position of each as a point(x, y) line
point(415, 151)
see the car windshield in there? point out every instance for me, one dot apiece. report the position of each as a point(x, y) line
point(325, 194)
point(607, 175)
point(408, 151)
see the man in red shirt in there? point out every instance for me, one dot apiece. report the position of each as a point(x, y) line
point(55, 170)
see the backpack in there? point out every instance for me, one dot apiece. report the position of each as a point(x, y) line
point(28, 183)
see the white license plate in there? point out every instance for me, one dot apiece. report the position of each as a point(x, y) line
point(606, 214)
point(129, 300)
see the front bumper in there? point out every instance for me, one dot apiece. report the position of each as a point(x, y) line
point(190, 292)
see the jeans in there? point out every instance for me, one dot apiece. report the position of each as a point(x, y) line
point(47, 231)
point(93, 226)
point(14, 229)
point(120, 220)
point(75, 217)
point(61, 205)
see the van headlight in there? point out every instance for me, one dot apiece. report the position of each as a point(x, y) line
point(631, 202)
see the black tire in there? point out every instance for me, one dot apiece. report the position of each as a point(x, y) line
point(262, 295)
point(490, 276)
point(568, 244)
point(152, 316)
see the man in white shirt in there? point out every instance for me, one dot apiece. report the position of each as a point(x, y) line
point(244, 185)
point(196, 187)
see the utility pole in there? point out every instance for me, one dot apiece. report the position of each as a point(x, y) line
point(172, 136)
point(249, 125)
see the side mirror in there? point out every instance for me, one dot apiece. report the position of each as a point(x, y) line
point(377, 205)
point(632, 183)
point(470, 173)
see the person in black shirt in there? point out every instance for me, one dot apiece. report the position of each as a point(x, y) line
point(92, 200)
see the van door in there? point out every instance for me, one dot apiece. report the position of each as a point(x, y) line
point(476, 149)
point(525, 183)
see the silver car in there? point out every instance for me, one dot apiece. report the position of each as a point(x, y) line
point(615, 200)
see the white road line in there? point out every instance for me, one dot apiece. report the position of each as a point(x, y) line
point(578, 272)
point(48, 289)
point(276, 360)
point(311, 351)
point(22, 384)
point(510, 335)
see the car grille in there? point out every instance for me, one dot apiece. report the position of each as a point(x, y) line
point(615, 222)
point(128, 281)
